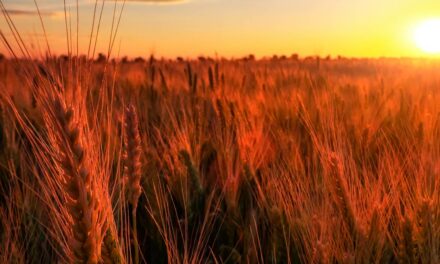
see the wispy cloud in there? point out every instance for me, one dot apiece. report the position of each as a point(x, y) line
point(52, 7)
point(22, 12)
point(27, 5)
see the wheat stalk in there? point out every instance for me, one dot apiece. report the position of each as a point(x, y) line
point(132, 169)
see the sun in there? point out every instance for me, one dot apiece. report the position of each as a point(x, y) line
point(427, 36)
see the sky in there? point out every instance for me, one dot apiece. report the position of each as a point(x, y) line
point(230, 28)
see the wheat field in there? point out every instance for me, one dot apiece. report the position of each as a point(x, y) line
point(281, 160)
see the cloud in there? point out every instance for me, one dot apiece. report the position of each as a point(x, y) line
point(20, 9)
point(22, 12)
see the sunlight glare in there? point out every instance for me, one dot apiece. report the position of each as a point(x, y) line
point(427, 36)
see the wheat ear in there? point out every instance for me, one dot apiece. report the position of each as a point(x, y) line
point(407, 246)
point(82, 201)
point(132, 157)
point(111, 252)
point(341, 198)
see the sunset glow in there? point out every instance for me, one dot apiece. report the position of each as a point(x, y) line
point(233, 28)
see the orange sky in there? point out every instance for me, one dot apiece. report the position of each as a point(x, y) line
point(234, 28)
